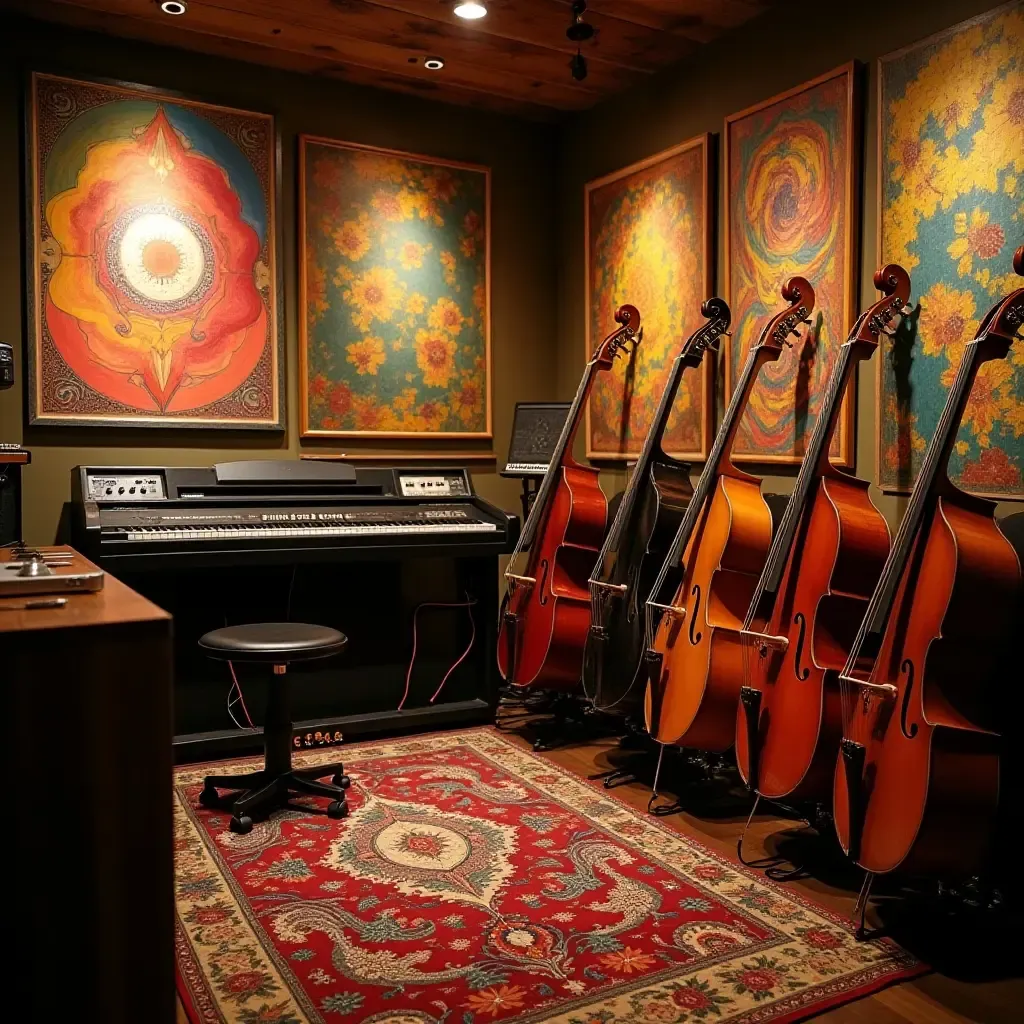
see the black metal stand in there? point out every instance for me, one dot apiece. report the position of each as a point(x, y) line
point(531, 484)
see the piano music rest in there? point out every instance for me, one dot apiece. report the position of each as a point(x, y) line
point(276, 643)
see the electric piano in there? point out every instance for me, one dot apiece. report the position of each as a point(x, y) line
point(277, 511)
point(404, 561)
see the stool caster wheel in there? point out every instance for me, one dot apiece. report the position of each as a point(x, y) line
point(241, 824)
point(342, 781)
point(209, 797)
point(336, 809)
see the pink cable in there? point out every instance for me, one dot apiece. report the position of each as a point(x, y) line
point(412, 661)
point(241, 698)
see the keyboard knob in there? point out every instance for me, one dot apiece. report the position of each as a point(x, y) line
point(120, 490)
point(131, 490)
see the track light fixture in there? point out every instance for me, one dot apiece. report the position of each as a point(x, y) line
point(174, 6)
point(470, 10)
point(433, 63)
point(579, 32)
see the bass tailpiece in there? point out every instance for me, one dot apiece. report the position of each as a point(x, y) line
point(854, 755)
point(653, 662)
point(750, 701)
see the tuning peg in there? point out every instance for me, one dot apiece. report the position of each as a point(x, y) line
point(808, 322)
point(889, 329)
point(906, 310)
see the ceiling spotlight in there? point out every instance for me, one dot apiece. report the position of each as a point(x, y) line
point(433, 63)
point(579, 31)
point(174, 6)
point(470, 11)
point(578, 66)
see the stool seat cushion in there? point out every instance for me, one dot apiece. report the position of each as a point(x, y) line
point(277, 642)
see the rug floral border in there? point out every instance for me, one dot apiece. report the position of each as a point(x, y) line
point(211, 909)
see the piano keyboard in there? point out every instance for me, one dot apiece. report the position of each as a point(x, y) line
point(526, 467)
point(274, 530)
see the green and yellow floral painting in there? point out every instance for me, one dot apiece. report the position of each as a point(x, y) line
point(394, 336)
point(952, 212)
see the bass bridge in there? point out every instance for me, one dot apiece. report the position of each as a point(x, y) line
point(764, 643)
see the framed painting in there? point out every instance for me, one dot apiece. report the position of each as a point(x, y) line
point(648, 242)
point(394, 294)
point(153, 288)
point(951, 210)
point(791, 209)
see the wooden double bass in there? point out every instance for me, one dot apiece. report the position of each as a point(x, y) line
point(647, 519)
point(824, 562)
point(546, 611)
point(693, 657)
point(917, 779)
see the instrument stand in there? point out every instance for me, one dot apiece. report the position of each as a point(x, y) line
point(564, 717)
point(530, 484)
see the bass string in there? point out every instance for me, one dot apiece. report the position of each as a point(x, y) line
point(639, 469)
point(695, 344)
point(905, 535)
point(805, 478)
point(707, 477)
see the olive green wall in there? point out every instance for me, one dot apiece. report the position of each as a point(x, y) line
point(523, 274)
point(771, 54)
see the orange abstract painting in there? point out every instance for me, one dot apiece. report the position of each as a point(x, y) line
point(648, 243)
point(153, 260)
point(791, 210)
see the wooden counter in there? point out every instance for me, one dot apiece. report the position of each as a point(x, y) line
point(90, 779)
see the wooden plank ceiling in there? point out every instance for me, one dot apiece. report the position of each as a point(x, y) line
point(515, 60)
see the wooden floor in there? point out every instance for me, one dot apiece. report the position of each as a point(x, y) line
point(978, 970)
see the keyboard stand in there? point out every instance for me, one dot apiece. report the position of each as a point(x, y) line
point(531, 484)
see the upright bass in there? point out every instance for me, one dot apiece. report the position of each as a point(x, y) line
point(634, 550)
point(825, 559)
point(693, 655)
point(917, 779)
point(546, 611)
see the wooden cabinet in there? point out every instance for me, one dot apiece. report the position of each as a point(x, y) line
point(88, 807)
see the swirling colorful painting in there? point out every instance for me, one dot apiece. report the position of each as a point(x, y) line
point(648, 242)
point(394, 338)
point(154, 288)
point(951, 154)
point(791, 209)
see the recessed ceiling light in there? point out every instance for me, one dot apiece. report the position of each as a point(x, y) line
point(174, 6)
point(470, 10)
point(433, 63)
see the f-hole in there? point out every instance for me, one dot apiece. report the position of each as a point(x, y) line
point(542, 597)
point(800, 673)
point(695, 594)
point(908, 667)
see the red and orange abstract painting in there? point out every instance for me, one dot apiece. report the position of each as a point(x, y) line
point(154, 282)
point(791, 210)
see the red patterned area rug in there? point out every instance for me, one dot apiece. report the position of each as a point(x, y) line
point(475, 882)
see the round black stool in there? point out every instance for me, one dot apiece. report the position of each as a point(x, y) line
point(278, 644)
